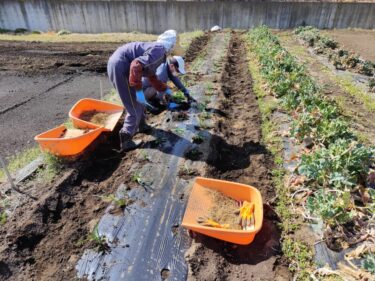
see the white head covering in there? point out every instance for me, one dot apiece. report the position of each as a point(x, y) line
point(168, 39)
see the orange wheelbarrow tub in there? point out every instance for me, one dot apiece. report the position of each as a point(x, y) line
point(114, 110)
point(200, 203)
point(61, 141)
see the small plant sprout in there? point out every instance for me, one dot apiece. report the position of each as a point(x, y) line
point(137, 178)
point(198, 138)
point(99, 240)
point(178, 131)
point(118, 202)
point(3, 217)
point(186, 171)
point(144, 155)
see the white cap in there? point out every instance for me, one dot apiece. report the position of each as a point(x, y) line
point(181, 64)
point(168, 39)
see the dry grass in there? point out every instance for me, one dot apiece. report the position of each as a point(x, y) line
point(52, 37)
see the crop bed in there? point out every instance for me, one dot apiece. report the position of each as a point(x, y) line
point(261, 119)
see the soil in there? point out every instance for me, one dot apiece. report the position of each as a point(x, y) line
point(224, 210)
point(351, 107)
point(196, 46)
point(361, 42)
point(33, 58)
point(42, 239)
point(237, 155)
point(95, 117)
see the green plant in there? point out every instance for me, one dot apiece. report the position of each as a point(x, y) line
point(3, 217)
point(145, 155)
point(138, 178)
point(118, 202)
point(20, 30)
point(368, 263)
point(178, 97)
point(63, 32)
point(333, 207)
point(341, 165)
point(178, 131)
point(36, 32)
point(100, 241)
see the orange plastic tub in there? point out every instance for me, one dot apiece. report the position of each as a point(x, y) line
point(200, 202)
point(114, 110)
point(61, 141)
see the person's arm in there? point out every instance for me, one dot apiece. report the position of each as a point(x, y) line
point(153, 57)
point(177, 82)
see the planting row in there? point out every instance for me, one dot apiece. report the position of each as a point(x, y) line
point(342, 59)
point(334, 166)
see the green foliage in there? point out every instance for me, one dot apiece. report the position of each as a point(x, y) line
point(198, 138)
point(178, 97)
point(332, 207)
point(20, 30)
point(340, 165)
point(99, 240)
point(63, 32)
point(368, 263)
point(300, 255)
point(3, 218)
point(36, 32)
point(118, 202)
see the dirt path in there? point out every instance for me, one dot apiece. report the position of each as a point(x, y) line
point(361, 117)
point(242, 158)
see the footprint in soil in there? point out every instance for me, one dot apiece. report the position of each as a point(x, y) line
point(265, 245)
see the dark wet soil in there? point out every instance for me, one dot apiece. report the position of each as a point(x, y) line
point(33, 58)
point(241, 158)
point(196, 46)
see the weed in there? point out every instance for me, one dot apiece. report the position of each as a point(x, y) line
point(53, 165)
point(300, 256)
point(21, 160)
point(63, 32)
point(20, 30)
point(3, 218)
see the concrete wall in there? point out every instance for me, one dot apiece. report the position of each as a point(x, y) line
point(96, 16)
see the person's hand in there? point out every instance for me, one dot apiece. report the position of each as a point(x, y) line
point(190, 99)
point(169, 92)
point(140, 96)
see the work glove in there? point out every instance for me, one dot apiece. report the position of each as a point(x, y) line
point(140, 96)
point(168, 91)
point(246, 215)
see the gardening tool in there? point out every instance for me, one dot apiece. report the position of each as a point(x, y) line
point(246, 215)
point(210, 222)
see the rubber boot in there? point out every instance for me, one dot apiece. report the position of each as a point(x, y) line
point(144, 127)
point(127, 144)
